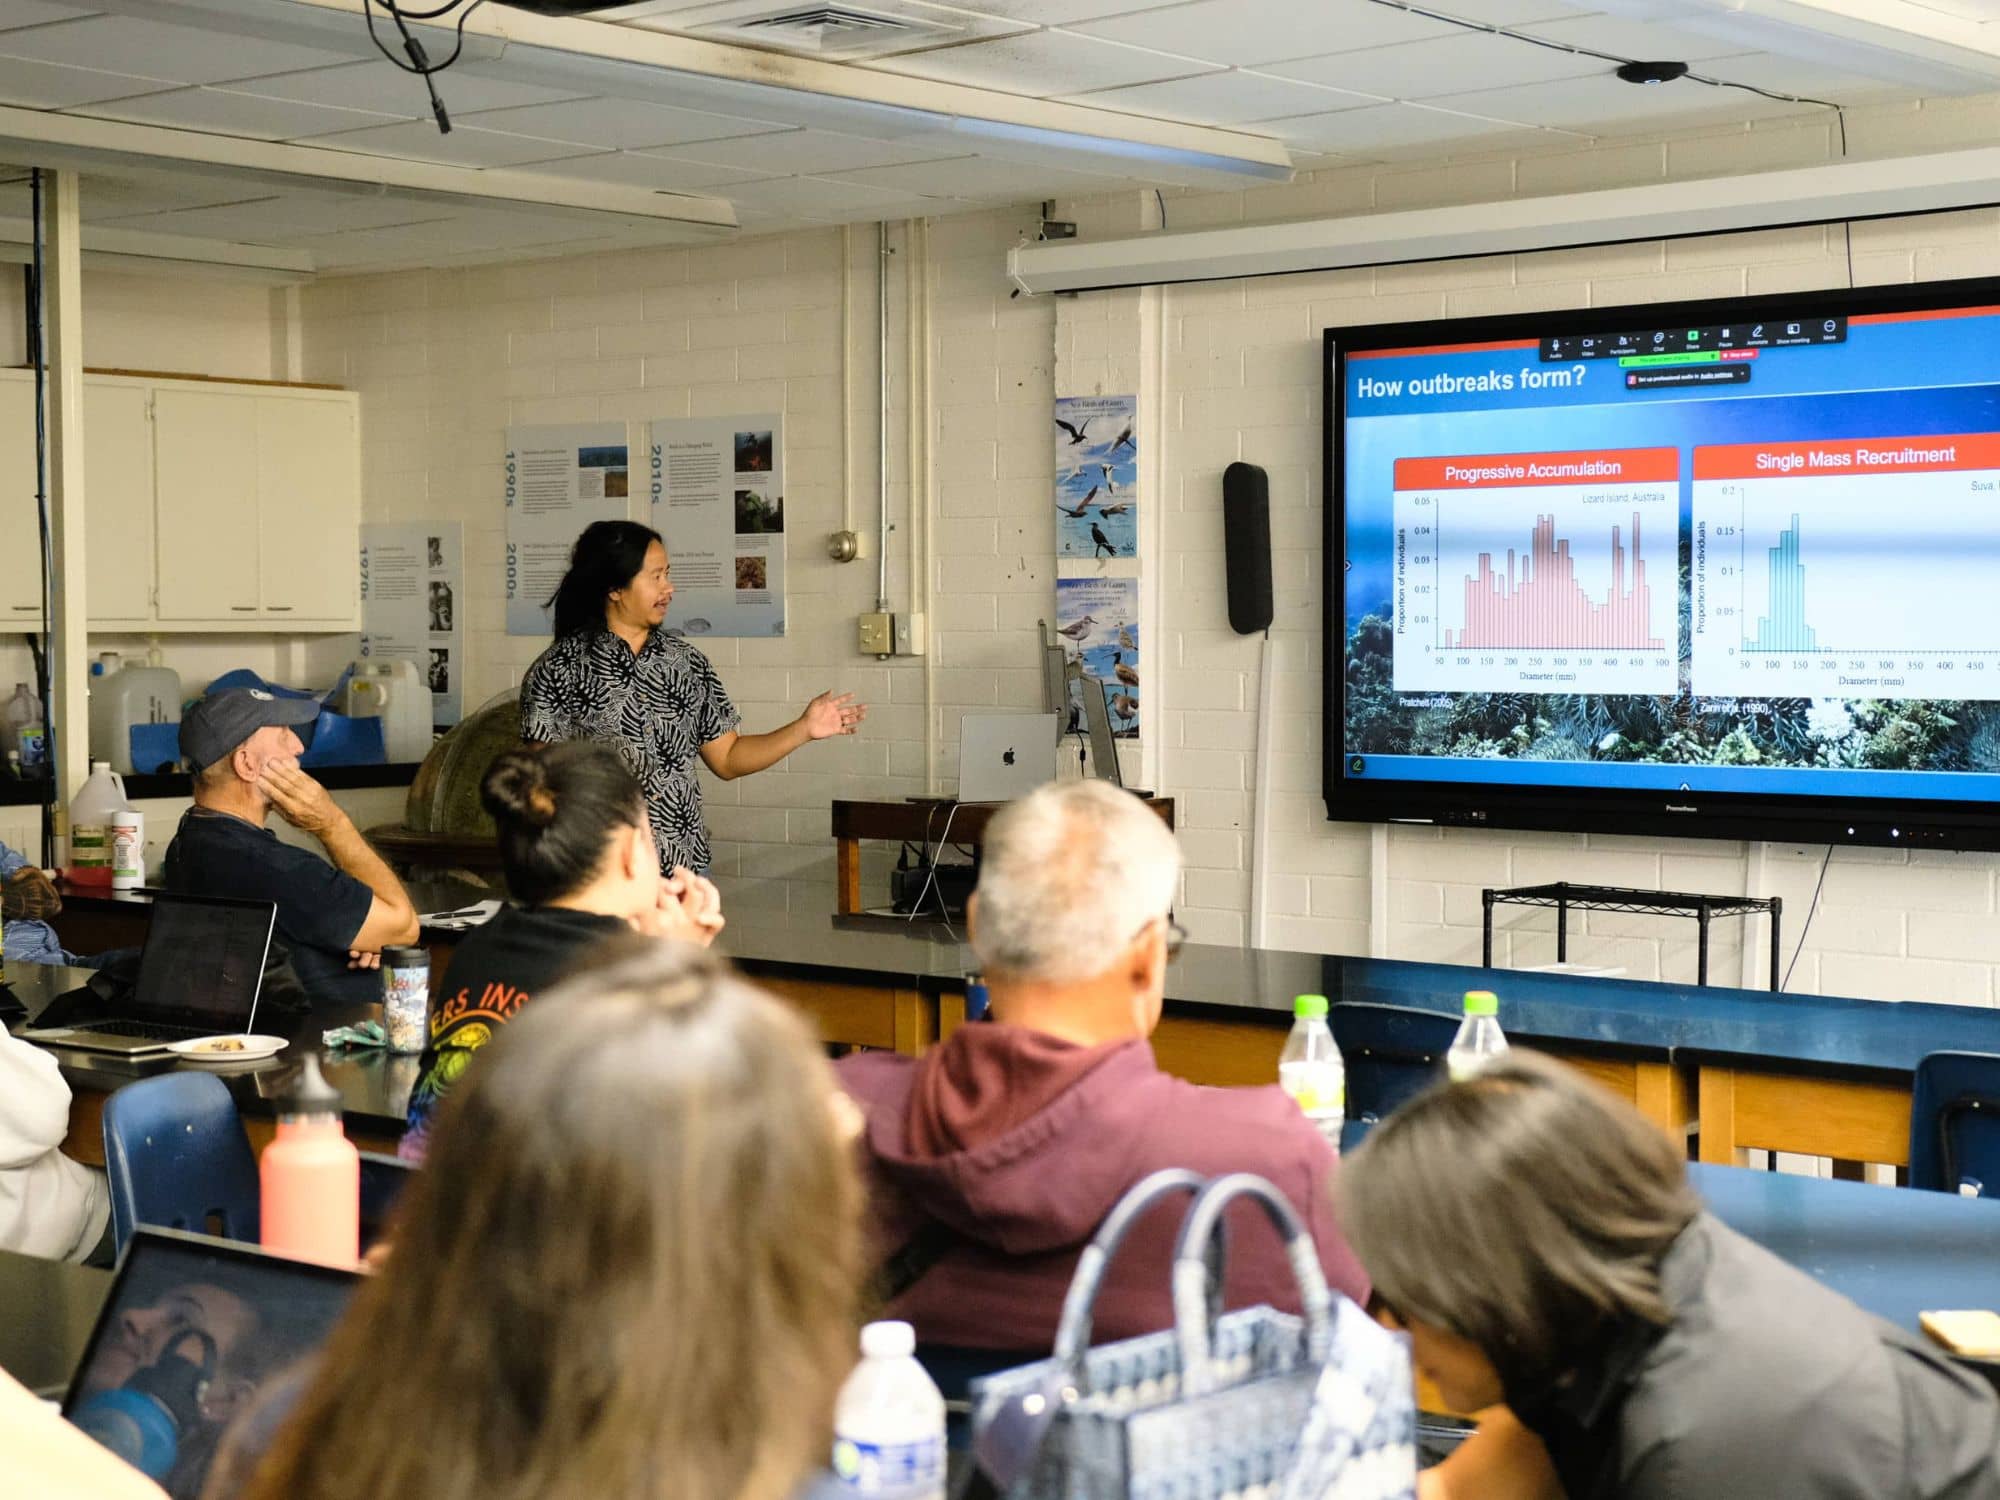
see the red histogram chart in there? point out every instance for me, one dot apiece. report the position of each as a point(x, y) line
point(1537, 572)
point(1539, 603)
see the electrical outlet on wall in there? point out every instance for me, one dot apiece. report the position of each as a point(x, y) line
point(910, 632)
point(878, 634)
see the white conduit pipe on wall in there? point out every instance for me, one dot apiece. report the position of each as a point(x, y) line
point(1260, 796)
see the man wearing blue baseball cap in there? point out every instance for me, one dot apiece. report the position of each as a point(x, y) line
point(335, 915)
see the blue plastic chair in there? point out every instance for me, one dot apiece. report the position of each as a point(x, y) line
point(1392, 1054)
point(1955, 1124)
point(176, 1154)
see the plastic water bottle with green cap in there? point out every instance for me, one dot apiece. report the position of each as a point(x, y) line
point(1479, 1040)
point(1310, 1069)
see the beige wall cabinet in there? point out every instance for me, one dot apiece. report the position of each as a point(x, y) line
point(208, 506)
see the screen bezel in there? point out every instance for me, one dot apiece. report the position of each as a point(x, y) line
point(1889, 822)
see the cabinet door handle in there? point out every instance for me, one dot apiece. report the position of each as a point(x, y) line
point(248, 609)
point(279, 609)
point(33, 609)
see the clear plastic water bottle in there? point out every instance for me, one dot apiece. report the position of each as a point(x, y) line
point(1310, 1069)
point(888, 1425)
point(1479, 1040)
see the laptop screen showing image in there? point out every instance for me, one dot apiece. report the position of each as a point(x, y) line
point(204, 961)
point(195, 1330)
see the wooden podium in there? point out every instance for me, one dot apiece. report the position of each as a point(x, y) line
point(919, 820)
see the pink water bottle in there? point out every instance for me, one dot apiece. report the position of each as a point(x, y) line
point(311, 1177)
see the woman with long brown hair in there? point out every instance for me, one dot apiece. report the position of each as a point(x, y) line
point(629, 1271)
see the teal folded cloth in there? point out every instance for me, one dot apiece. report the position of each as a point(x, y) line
point(367, 1034)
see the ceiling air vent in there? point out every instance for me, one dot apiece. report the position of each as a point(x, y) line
point(843, 31)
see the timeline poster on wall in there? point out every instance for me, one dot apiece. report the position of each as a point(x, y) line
point(1099, 619)
point(719, 499)
point(412, 592)
point(559, 480)
point(1097, 476)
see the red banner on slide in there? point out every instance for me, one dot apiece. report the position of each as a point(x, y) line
point(1487, 471)
point(1890, 455)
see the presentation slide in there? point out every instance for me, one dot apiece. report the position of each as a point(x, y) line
point(1760, 555)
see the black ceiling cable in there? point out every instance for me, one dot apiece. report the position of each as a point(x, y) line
point(1839, 113)
point(419, 61)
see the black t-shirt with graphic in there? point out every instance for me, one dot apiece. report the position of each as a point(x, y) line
point(659, 706)
point(496, 970)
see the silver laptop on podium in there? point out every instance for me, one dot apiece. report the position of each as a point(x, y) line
point(1004, 756)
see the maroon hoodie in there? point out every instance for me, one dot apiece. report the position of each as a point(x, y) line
point(1020, 1144)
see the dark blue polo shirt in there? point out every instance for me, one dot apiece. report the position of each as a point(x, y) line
point(320, 909)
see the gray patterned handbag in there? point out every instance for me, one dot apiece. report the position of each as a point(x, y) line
point(1248, 1405)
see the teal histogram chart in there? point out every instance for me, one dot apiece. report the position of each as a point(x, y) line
point(1847, 569)
point(1785, 627)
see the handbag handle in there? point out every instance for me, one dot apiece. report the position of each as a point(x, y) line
point(1072, 1340)
point(1197, 1291)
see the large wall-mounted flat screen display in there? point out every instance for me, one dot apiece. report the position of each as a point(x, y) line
point(1727, 569)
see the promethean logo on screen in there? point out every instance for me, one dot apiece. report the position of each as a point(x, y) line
point(1682, 807)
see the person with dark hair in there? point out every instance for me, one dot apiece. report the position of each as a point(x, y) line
point(1540, 1242)
point(614, 674)
point(631, 1271)
point(578, 855)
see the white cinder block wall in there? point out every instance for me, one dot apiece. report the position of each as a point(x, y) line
point(445, 360)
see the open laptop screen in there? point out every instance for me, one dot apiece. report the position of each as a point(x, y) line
point(193, 1332)
point(203, 961)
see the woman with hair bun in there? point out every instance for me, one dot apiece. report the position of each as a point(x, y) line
point(578, 852)
point(615, 675)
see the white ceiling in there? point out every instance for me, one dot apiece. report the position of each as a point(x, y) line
point(1334, 80)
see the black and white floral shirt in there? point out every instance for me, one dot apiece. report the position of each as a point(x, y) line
point(659, 707)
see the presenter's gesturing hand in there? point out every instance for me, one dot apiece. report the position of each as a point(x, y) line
point(828, 715)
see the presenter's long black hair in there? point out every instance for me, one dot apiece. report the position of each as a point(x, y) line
point(607, 557)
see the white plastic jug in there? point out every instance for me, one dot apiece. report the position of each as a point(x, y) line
point(396, 692)
point(90, 814)
point(123, 697)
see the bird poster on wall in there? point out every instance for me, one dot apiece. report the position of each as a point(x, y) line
point(1097, 476)
point(1098, 618)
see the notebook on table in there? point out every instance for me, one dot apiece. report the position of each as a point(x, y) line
point(200, 974)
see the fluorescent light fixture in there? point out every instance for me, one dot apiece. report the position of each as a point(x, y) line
point(1669, 210)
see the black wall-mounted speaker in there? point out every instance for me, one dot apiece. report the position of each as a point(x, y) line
point(1246, 538)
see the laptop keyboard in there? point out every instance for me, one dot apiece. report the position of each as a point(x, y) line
point(150, 1031)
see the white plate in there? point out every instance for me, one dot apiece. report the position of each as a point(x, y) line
point(254, 1047)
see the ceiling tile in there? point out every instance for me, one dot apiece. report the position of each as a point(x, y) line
point(103, 198)
point(1448, 65)
point(1230, 98)
point(1240, 32)
point(1790, 75)
point(1602, 102)
point(622, 124)
point(1641, 40)
point(659, 174)
point(981, 177)
point(815, 152)
point(1047, 12)
point(226, 113)
point(38, 13)
point(1386, 126)
point(419, 140)
point(151, 49)
point(38, 85)
point(1041, 64)
point(827, 200)
point(382, 89)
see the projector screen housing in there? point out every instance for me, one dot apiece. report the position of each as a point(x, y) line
point(1721, 569)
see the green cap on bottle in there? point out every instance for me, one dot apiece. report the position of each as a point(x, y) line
point(1309, 1007)
point(1482, 1003)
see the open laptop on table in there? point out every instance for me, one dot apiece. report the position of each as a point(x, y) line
point(199, 975)
point(1004, 756)
point(192, 1334)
